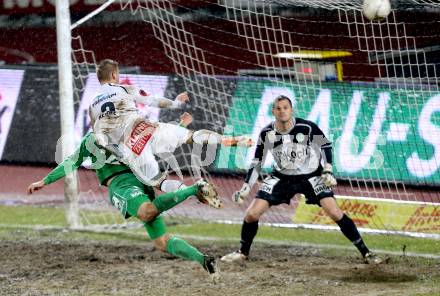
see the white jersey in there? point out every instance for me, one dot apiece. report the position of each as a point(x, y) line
point(114, 110)
point(120, 128)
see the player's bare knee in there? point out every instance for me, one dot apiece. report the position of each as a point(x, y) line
point(332, 209)
point(160, 243)
point(334, 213)
point(335, 216)
point(147, 212)
point(255, 210)
point(252, 216)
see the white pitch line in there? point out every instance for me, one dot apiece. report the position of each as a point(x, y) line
point(311, 245)
point(212, 238)
point(336, 228)
point(388, 200)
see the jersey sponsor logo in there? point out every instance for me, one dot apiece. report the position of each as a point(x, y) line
point(268, 184)
point(140, 136)
point(318, 185)
point(101, 98)
point(291, 155)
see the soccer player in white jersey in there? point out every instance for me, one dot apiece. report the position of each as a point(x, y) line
point(134, 139)
point(134, 199)
point(303, 165)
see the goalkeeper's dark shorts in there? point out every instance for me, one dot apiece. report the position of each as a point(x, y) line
point(277, 189)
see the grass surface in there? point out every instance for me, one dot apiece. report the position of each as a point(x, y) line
point(14, 218)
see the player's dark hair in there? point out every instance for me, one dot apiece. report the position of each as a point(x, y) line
point(105, 69)
point(282, 98)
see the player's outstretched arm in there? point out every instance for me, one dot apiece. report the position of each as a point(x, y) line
point(60, 171)
point(253, 173)
point(179, 102)
point(70, 164)
point(326, 155)
point(143, 97)
point(35, 186)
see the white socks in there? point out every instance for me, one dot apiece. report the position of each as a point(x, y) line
point(206, 137)
point(171, 185)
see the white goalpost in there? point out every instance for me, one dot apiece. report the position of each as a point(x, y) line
point(67, 113)
point(372, 87)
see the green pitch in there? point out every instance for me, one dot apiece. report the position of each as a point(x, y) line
point(18, 218)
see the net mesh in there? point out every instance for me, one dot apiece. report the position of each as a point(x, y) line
point(234, 57)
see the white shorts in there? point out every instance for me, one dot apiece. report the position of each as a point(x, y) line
point(147, 140)
point(168, 137)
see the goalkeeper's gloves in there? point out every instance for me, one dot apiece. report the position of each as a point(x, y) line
point(241, 194)
point(327, 176)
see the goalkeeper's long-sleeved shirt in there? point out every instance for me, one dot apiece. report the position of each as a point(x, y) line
point(297, 153)
point(103, 162)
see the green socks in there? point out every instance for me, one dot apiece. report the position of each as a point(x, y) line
point(180, 248)
point(176, 246)
point(169, 200)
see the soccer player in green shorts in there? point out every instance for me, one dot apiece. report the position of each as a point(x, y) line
point(133, 198)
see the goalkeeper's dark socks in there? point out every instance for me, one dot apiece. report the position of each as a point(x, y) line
point(350, 231)
point(248, 232)
point(360, 245)
point(169, 200)
point(180, 248)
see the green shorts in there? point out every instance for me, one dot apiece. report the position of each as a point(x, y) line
point(127, 194)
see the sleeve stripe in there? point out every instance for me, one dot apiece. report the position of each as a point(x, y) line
point(123, 88)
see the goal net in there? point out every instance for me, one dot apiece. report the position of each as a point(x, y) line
point(372, 88)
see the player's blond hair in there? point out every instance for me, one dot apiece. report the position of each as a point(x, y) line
point(105, 69)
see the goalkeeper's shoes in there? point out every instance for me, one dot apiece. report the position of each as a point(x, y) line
point(236, 256)
point(208, 194)
point(371, 258)
point(241, 141)
point(210, 265)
